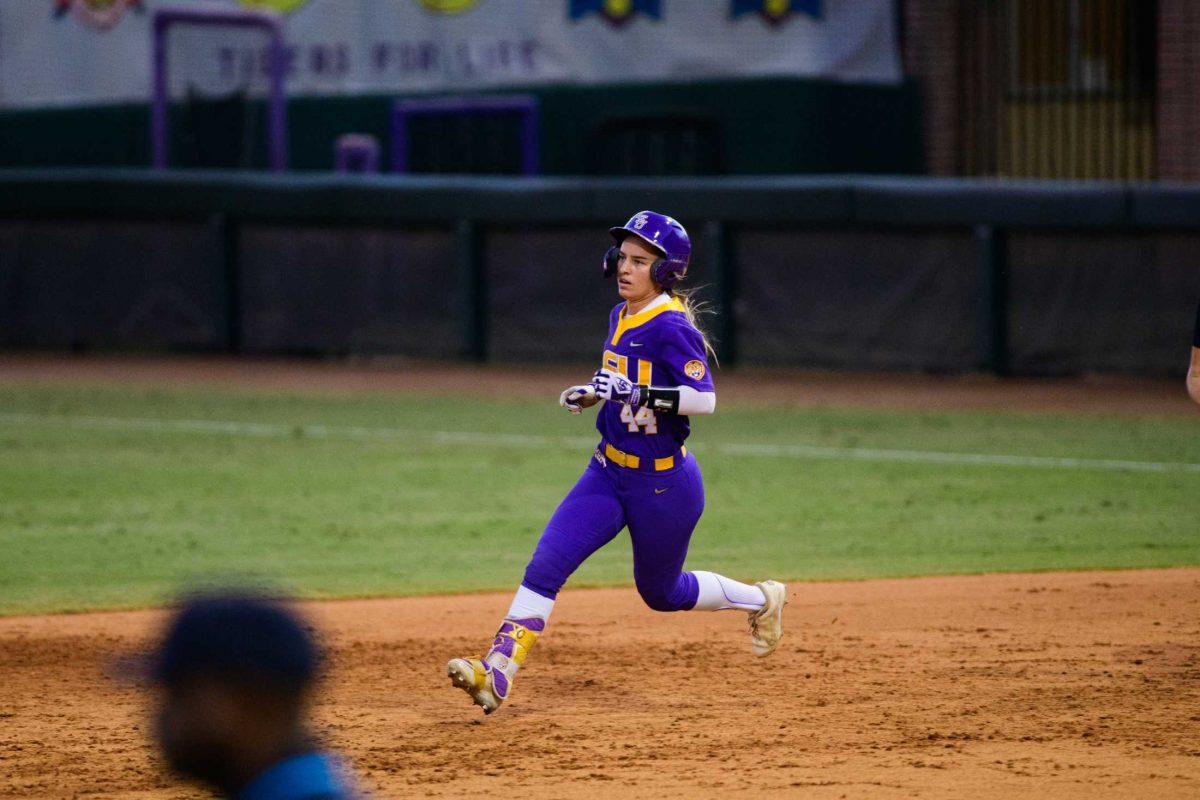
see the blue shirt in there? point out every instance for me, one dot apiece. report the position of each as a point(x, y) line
point(655, 347)
point(310, 776)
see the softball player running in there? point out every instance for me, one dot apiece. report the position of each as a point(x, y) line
point(654, 374)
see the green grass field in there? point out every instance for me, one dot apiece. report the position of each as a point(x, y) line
point(104, 505)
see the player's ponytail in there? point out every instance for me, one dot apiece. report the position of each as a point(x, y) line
point(695, 311)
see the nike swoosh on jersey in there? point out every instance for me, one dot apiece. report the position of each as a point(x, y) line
point(636, 344)
point(660, 491)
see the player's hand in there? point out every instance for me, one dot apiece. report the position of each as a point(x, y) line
point(614, 386)
point(577, 398)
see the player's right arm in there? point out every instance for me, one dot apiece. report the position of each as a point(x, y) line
point(576, 398)
point(1193, 378)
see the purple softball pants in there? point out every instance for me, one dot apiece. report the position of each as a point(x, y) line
point(661, 510)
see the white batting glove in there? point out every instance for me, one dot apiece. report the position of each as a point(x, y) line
point(577, 398)
point(614, 386)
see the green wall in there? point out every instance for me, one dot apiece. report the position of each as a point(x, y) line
point(765, 126)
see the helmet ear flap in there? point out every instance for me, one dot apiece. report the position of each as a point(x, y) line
point(667, 272)
point(611, 256)
point(660, 273)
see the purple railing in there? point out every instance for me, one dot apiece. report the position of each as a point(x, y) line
point(164, 18)
point(524, 106)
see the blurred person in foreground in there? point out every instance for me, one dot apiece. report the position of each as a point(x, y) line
point(1193, 378)
point(234, 675)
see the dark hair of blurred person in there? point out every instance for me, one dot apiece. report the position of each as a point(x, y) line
point(235, 675)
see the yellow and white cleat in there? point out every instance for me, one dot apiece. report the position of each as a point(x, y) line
point(472, 676)
point(489, 679)
point(766, 624)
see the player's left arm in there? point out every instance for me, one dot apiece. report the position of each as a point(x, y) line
point(682, 399)
point(687, 387)
point(677, 400)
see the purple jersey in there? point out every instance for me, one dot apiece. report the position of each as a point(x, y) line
point(655, 347)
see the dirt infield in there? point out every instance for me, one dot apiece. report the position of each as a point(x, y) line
point(1045, 685)
point(1095, 394)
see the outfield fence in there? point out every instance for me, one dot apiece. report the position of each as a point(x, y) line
point(839, 272)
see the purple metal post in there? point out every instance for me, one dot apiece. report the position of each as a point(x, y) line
point(523, 105)
point(164, 18)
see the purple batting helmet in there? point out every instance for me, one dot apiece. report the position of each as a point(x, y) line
point(662, 234)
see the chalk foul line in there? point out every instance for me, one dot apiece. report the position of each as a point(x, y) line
point(533, 441)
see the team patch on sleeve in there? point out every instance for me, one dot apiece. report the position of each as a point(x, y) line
point(694, 369)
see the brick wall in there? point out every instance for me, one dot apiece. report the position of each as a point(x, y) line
point(1178, 101)
point(931, 56)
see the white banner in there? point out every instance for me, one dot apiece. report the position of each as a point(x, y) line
point(81, 52)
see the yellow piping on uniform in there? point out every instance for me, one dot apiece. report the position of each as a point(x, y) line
point(625, 323)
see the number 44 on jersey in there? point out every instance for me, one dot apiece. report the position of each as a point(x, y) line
point(643, 418)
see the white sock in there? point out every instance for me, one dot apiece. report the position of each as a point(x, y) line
point(528, 603)
point(718, 593)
